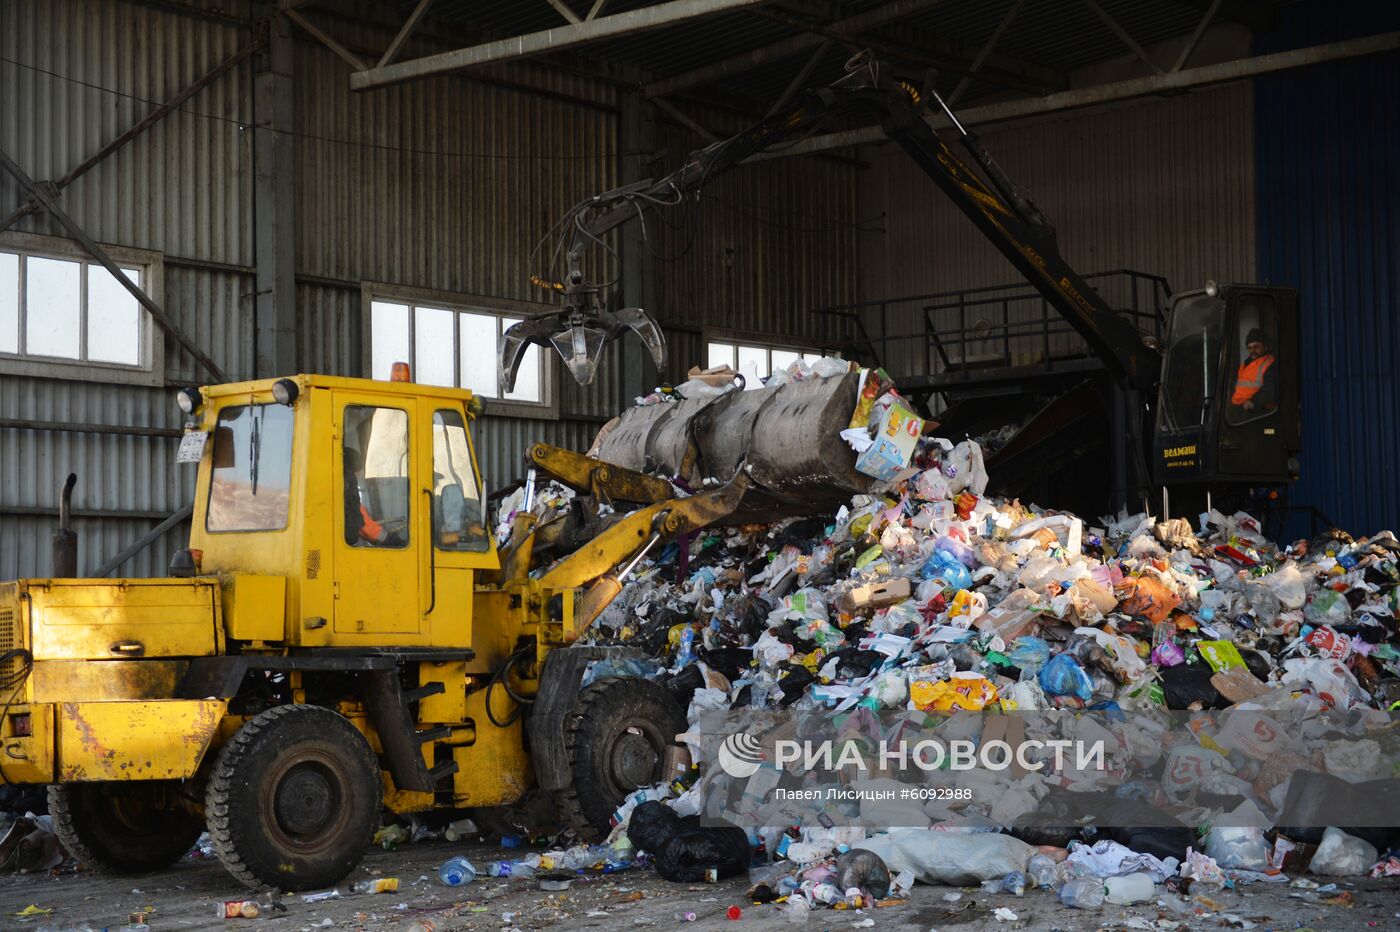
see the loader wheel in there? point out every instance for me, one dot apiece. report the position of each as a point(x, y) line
point(294, 799)
point(616, 739)
point(123, 828)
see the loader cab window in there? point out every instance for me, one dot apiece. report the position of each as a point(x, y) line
point(374, 452)
point(250, 485)
point(1193, 359)
point(1253, 365)
point(459, 518)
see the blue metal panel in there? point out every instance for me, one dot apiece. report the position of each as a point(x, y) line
point(1327, 146)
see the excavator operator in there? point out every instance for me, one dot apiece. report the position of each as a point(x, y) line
point(361, 528)
point(1256, 385)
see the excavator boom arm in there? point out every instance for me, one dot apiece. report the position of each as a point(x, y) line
point(1010, 221)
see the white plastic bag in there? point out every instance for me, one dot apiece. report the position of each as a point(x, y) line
point(965, 469)
point(1239, 847)
point(945, 858)
point(1342, 855)
point(1288, 585)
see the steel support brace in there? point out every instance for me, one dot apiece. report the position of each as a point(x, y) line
point(146, 122)
point(144, 541)
point(550, 40)
point(1202, 76)
point(49, 199)
point(274, 196)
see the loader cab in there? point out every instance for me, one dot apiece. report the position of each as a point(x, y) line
point(341, 512)
point(1228, 403)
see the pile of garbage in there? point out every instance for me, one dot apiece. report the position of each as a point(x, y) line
point(928, 596)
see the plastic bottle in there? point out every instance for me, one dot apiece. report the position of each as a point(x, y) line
point(1084, 893)
point(1041, 870)
point(457, 872)
point(377, 885)
point(1014, 883)
point(1124, 891)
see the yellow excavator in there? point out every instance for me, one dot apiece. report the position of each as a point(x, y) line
point(343, 634)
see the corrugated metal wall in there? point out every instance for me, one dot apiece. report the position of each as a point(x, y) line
point(771, 241)
point(1329, 224)
point(443, 184)
point(1163, 186)
point(74, 76)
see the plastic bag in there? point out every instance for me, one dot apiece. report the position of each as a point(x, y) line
point(1239, 847)
point(943, 858)
point(863, 870)
point(1063, 676)
point(942, 566)
point(965, 469)
point(1342, 855)
point(1029, 653)
point(964, 691)
point(689, 854)
point(1328, 607)
point(1147, 596)
point(930, 486)
point(652, 825)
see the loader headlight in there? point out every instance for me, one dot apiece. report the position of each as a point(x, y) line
point(189, 400)
point(285, 392)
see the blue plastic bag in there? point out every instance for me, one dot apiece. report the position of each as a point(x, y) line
point(1063, 676)
point(1029, 653)
point(946, 567)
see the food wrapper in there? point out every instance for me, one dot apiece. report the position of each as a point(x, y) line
point(964, 693)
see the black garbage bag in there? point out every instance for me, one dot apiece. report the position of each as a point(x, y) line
point(864, 870)
point(794, 682)
point(682, 685)
point(1369, 809)
point(652, 825)
point(691, 853)
point(1159, 841)
point(854, 663)
point(733, 662)
point(1189, 683)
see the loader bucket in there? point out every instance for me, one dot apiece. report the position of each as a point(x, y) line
point(787, 436)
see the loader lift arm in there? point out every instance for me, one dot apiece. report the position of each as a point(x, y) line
point(1011, 221)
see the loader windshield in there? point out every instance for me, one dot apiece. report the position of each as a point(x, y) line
point(250, 485)
point(1193, 360)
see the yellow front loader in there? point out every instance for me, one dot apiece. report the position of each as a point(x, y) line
point(341, 636)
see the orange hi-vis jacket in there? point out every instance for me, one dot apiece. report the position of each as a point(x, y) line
point(371, 530)
point(1251, 379)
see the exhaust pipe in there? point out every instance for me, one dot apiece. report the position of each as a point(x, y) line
point(65, 541)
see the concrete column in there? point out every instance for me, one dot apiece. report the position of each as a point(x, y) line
point(274, 202)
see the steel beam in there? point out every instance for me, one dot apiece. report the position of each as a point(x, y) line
point(785, 48)
point(317, 33)
point(1122, 34)
point(550, 40)
point(274, 199)
point(637, 262)
point(594, 10)
point(799, 80)
point(981, 58)
point(1195, 39)
point(14, 423)
point(695, 127)
point(407, 30)
point(563, 10)
point(1149, 86)
point(50, 202)
point(144, 541)
point(145, 123)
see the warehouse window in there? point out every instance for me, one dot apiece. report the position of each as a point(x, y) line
point(757, 358)
point(446, 343)
point(63, 314)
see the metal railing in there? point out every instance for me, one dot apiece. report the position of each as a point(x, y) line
point(994, 326)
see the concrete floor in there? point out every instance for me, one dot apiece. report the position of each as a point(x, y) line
point(184, 897)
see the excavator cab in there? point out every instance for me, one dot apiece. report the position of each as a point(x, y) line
point(1227, 408)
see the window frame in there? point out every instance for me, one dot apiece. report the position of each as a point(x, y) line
point(545, 409)
point(150, 370)
point(213, 481)
point(408, 415)
point(766, 343)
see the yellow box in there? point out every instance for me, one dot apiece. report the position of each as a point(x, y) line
point(255, 607)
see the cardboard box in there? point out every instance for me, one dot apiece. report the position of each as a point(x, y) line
point(875, 595)
point(896, 435)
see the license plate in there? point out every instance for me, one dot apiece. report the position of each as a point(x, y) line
point(191, 446)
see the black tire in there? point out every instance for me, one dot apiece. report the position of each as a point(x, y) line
point(294, 799)
point(616, 738)
point(123, 828)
